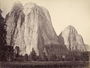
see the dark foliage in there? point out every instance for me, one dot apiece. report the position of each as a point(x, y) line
point(6, 51)
point(2, 37)
point(26, 57)
point(9, 53)
point(45, 58)
point(17, 51)
point(33, 55)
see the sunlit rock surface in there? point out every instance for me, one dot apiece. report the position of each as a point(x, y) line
point(28, 27)
point(72, 40)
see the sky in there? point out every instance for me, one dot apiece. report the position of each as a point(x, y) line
point(63, 13)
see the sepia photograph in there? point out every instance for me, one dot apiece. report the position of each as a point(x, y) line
point(44, 33)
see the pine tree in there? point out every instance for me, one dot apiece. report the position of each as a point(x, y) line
point(33, 55)
point(2, 37)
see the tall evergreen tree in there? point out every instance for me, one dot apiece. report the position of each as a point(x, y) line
point(2, 37)
point(33, 55)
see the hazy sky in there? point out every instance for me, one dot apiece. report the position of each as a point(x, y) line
point(63, 13)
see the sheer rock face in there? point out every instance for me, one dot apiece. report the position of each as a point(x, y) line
point(15, 27)
point(30, 27)
point(72, 40)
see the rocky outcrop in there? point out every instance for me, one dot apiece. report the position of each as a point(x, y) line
point(30, 27)
point(42, 32)
point(15, 27)
point(72, 40)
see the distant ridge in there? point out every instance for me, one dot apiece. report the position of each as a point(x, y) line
point(72, 39)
